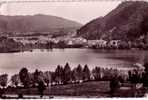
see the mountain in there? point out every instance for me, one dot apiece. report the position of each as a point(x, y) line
point(35, 23)
point(128, 21)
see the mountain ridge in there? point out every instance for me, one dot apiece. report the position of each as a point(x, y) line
point(127, 21)
point(34, 23)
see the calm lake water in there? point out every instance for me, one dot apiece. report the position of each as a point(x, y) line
point(48, 60)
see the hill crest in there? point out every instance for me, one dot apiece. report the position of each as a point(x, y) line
point(127, 21)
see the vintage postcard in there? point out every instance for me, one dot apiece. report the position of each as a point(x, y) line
point(73, 49)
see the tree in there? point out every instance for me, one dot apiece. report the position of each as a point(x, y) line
point(123, 45)
point(59, 74)
point(3, 80)
point(41, 88)
point(86, 73)
point(79, 73)
point(15, 80)
point(41, 76)
point(146, 66)
point(49, 45)
point(96, 73)
point(3, 83)
point(31, 79)
point(114, 85)
point(36, 76)
point(73, 75)
point(67, 73)
point(135, 77)
point(24, 77)
point(52, 77)
point(47, 77)
point(145, 79)
point(61, 44)
point(145, 76)
point(129, 75)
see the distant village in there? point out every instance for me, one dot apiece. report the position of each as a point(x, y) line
point(21, 43)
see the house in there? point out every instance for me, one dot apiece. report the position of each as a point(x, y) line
point(76, 41)
point(70, 42)
point(98, 43)
point(102, 43)
point(114, 43)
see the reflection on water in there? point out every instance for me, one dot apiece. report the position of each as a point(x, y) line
point(48, 60)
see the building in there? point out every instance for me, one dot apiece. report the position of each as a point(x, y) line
point(98, 43)
point(76, 41)
point(114, 43)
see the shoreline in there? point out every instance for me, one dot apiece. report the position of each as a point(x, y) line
point(102, 49)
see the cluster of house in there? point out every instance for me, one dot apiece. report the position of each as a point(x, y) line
point(69, 41)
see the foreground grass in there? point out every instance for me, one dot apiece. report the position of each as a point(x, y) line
point(86, 89)
point(93, 88)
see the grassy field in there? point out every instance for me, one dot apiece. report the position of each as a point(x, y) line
point(87, 89)
point(93, 88)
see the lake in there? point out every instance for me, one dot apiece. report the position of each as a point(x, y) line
point(48, 59)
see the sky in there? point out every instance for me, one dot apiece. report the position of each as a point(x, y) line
point(82, 12)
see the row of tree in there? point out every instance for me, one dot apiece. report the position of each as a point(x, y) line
point(66, 75)
point(61, 75)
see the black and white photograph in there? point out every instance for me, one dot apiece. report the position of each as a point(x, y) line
point(60, 49)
